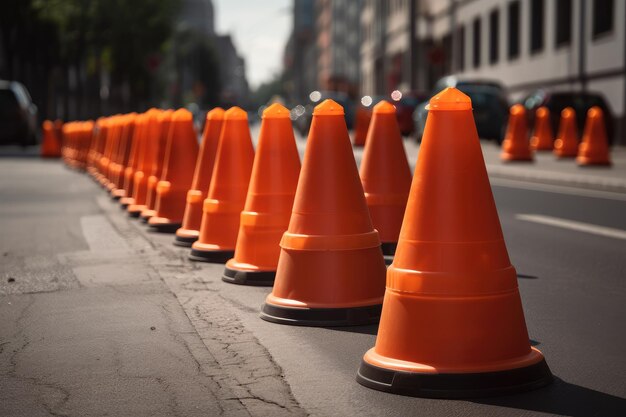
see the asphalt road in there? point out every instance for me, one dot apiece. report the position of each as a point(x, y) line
point(89, 285)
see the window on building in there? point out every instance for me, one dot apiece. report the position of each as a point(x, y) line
point(563, 35)
point(460, 48)
point(602, 17)
point(536, 25)
point(476, 34)
point(494, 30)
point(514, 18)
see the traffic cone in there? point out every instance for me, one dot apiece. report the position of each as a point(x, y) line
point(164, 121)
point(362, 122)
point(180, 161)
point(123, 155)
point(190, 229)
point(105, 160)
point(515, 146)
point(265, 216)
point(136, 152)
point(594, 149)
point(146, 161)
point(543, 138)
point(50, 144)
point(566, 143)
point(452, 324)
point(227, 192)
point(96, 150)
point(385, 175)
point(331, 270)
point(118, 133)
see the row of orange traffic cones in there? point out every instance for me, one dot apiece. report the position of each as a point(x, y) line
point(593, 150)
point(451, 319)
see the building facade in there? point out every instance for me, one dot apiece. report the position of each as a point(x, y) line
point(570, 45)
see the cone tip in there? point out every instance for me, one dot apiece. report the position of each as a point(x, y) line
point(182, 115)
point(276, 111)
point(450, 99)
point(216, 113)
point(47, 124)
point(328, 107)
point(236, 113)
point(542, 112)
point(517, 110)
point(384, 107)
point(594, 112)
point(568, 112)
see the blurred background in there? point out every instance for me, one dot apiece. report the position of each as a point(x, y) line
point(80, 59)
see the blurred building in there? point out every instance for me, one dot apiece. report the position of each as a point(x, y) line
point(556, 45)
point(233, 82)
point(300, 55)
point(337, 27)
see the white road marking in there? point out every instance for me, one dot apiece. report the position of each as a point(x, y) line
point(558, 189)
point(100, 234)
point(573, 225)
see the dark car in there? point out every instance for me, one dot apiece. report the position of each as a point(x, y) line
point(303, 114)
point(405, 107)
point(581, 102)
point(489, 105)
point(18, 115)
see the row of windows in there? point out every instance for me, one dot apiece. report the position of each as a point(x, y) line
point(602, 23)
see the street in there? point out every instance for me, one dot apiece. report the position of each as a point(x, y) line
point(102, 317)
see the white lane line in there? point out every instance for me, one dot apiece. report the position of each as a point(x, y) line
point(558, 189)
point(100, 234)
point(573, 225)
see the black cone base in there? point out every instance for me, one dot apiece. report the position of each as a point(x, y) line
point(115, 197)
point(134, 214)
point(144, 219)
point(462, 385)
point(256, 278)
point(123, 206)
point(321, 317)
point(164, 227)
point(213, 256)
point(184, 242)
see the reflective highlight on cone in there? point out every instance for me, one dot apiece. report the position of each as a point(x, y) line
point(227, 192)
point(452, 324)
point(331, 269)
point(594, 149)
point(543, 138)
point(566, 143)
point(269, 201)
point(179, 165)
point(385, 175)
point(190, 229)
point(515, 146)
point(138, 145)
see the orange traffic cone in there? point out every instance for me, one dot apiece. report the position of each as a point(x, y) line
point(123, 155)
point(331, 270)
point(566, 143)
point(180, 161)
point(452, 323)
point(50, 145)
point(190, 229)
point(227, 192)
point(146, 163)
point(265, 216)
point(515, 146)
point(136, 152)
point(119, 127)
point(362, 122)
point(385, 175)
point(164, 120)
point(542, 139)
point(594, 149)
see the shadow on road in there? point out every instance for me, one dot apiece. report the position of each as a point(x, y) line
point(369, 329)
point(524, 276)
point(565, 399)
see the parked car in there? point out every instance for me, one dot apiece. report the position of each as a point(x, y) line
point(18, 115)
point(302, 118)
point(489, 103)
point(580, 101)
point(405, 107)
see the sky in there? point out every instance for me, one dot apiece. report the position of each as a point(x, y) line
point(259, 29)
